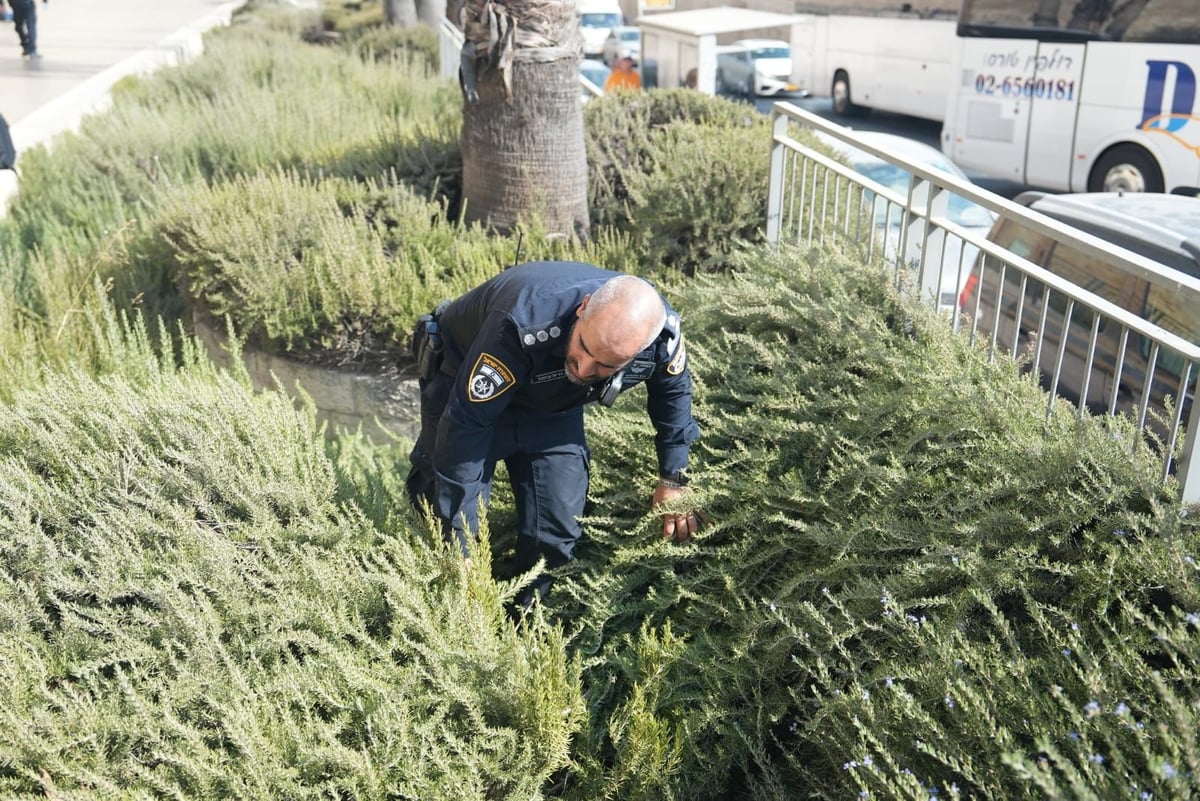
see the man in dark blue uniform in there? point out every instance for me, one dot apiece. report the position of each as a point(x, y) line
point(506, 370)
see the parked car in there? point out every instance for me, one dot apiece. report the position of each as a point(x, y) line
point(957, 255)
point(592, 75)
point(1163, 228)
point(772, 65)
point(735, 72)
point(596, 19)
point(622, 41)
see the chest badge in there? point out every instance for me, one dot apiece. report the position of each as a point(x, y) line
point(490, 378)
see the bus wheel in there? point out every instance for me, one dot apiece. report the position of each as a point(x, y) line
point(1126, 168)
point(840, 93)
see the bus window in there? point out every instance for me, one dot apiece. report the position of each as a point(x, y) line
point(1169, 21)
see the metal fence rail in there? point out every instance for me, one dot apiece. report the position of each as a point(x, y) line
point(1018, 309)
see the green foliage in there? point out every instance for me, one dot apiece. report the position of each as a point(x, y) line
point(257, 99)
point(420, 42)
point(188, 610)
point(895, 526)
point(913, 582)
point(350, 265)
point(683, 174)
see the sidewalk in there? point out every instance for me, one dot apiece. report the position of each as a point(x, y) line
point(86, 47)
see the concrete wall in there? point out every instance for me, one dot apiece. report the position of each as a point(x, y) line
point(385, 406)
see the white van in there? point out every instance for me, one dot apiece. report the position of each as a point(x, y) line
point(596, 19)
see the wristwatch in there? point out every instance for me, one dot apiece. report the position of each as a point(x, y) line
point(676, 480)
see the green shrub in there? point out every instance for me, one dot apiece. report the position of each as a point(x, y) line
point(256, 99)
point(333, 270)
point(913, 581)
point(190, 611)
point(683, 174)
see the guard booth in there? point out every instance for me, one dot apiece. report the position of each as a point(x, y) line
point(676, 42)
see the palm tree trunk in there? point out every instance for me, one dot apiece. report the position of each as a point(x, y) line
point(522, 135)
point(429, 12)
point(400, 13)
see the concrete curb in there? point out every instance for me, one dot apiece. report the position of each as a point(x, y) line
point(93, 96)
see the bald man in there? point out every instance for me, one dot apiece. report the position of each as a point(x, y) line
point(506, 370)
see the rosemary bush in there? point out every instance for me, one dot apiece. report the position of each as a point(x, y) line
point(913, 587)
point(682, 173)
point(258, 99)
point(193, 606)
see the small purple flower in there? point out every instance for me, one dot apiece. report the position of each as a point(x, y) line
point(1121, 709)
point(1096, 759)
point(1066, 652)
point(1168, 771)
point(1092, 708)
point(949, 701)
point(1193, 618)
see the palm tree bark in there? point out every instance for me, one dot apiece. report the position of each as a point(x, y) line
point(400, 13)
point(522, 135)
point(429, 12)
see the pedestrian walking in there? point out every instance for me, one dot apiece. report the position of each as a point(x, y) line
point(505, 371)
point(24, 17)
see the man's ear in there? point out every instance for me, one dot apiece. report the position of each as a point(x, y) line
point(582, 306)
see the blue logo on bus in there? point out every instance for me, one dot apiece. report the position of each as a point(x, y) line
point(1155, 117)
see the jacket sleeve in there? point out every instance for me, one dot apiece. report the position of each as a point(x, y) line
point(669, 404)
point(492, 370)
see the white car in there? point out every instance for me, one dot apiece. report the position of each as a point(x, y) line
point(594, 24)
point(772, 65)
point(623, 40)
point(957, 255)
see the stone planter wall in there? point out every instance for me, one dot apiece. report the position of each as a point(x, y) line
point(385, 407)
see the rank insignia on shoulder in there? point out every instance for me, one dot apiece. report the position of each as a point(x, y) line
point(490, 378)
point(676, 365)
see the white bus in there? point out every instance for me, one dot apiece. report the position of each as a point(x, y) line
point(1077, 95)
point(896, 61)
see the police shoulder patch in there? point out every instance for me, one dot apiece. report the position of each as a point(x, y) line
point(490, 378)
point(676, 365)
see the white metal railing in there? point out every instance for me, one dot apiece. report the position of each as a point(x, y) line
point(814, 197)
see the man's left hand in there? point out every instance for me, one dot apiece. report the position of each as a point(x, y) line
point(678, 527)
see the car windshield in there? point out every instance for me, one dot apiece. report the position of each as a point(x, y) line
point(600, 20)
point(770, 52)
point(630, 36)
point(960, 211)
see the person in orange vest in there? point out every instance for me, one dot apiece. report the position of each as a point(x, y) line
point(623, 76)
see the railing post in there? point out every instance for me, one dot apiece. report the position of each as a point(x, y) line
point(779, 128)
point(1189, 478)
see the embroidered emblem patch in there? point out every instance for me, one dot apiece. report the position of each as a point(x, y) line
point(489, 379)
point(676, 365)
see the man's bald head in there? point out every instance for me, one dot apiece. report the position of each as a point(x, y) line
point(616, 323)
point(630, 310)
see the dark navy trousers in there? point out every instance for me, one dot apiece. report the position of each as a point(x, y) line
point(25, 21)
point(548, 467)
